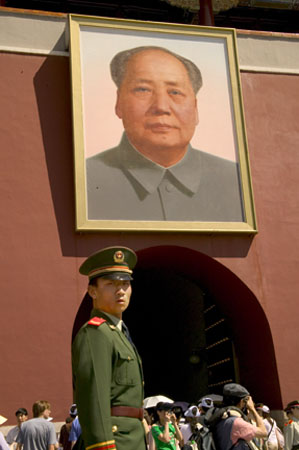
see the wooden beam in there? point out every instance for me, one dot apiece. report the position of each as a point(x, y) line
point(206, 15)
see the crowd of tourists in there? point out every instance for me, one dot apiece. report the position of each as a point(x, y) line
point(213, 423)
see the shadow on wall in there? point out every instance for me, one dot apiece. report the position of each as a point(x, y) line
point(53, 95)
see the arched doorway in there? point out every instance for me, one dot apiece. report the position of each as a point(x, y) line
point(183, 303)
point(194, 282)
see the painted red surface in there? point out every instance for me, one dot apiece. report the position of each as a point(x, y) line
point(40, 287)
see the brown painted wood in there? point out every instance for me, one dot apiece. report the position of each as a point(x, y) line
point(206, 15)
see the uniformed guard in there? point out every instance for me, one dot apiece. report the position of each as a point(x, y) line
point(107, 372)
point(291, 428)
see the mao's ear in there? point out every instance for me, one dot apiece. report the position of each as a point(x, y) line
point(118, 107)
point(196, 113)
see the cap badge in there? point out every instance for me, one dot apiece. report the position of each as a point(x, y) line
point(119, 257)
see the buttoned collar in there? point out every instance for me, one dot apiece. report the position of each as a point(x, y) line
point(149, 174)
point(116, 321)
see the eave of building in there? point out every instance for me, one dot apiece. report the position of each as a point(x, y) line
point(44, 33)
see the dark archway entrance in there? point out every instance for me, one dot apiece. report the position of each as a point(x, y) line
point(189, 273)
point(168, 329)
point(182, 336)
point(178, 295)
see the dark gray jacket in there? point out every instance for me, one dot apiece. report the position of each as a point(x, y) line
point(124, 185)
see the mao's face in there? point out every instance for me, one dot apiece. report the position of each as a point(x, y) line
point(156, 103)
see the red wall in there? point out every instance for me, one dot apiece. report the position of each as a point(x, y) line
point(40, 252)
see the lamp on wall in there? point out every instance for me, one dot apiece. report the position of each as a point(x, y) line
point(197, 356)
point(194, 358)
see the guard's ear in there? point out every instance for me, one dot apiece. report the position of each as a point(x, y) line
point(91, 291)
point(118, 106)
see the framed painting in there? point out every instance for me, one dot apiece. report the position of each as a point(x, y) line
point(158, 125)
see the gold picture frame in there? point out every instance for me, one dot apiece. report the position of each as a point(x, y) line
point(94, 41)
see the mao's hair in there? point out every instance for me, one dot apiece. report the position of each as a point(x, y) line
point(118, 65)
point(39, 407)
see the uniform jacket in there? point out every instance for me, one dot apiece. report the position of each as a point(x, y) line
point(107, 372)
point(291, 433)
point(124, 185)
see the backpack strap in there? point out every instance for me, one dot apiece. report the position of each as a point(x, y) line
point(272, 424)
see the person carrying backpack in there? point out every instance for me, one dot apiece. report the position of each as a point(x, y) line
point(232, 428)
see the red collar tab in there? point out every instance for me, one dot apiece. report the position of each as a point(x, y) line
point(96, 321)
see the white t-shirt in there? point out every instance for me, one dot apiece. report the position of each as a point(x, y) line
point(37, 434)
point(186, 431)
point(272, 436)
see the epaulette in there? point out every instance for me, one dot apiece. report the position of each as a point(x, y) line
point(288, 423)
point(97, 321)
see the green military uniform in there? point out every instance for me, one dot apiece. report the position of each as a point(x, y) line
point(291, 428)
point(291, 434)
point(107, 374)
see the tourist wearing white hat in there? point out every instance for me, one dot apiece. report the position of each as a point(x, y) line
point(205, 404)
point(190, 427)
point(275, 439)
point(192, 412)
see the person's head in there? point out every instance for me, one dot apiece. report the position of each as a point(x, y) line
point(205, 404)
point(68, 422)
point(178, 412)
point(156, 100)
point(118, 65)
point(259, 408)
point(192, 414)
point(235, 395)
point(110, 274)
point(262, 410)
point(41, 408)
point(149, 415)
point(292, 409)
point(265, 412)
point(21, 415)
point(152, 412)
point(73, 411)
point(164, 409)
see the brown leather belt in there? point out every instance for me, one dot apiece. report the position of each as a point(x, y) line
point(127, 411)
